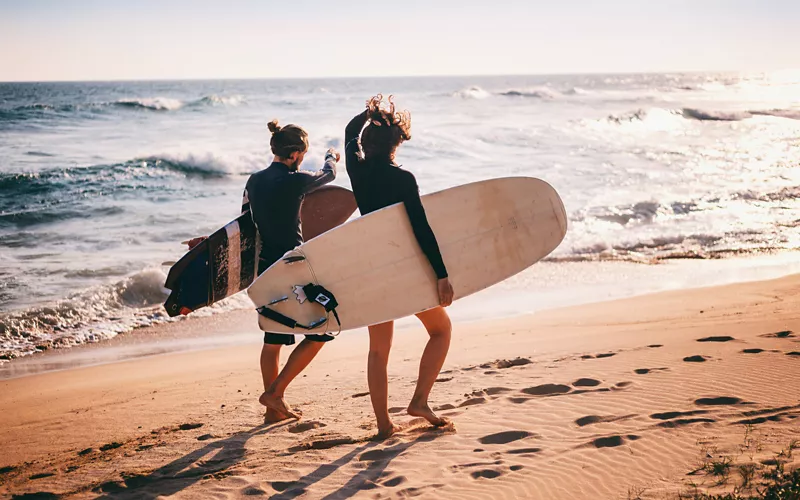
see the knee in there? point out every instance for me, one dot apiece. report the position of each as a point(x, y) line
point(444, 329)
point(379, 354)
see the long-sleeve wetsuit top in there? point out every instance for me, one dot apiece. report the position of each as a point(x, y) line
point(378, 183)
point(273, 196)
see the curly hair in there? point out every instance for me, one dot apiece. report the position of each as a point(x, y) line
point(386, 128)
point(287, 139)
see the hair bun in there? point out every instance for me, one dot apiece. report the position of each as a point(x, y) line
point(273, 126)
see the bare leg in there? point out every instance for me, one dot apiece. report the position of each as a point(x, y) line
point(298, 360)
point(270, 355)
point(380, 343)
point(437, 322)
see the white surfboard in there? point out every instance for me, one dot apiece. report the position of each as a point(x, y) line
point(487, 231)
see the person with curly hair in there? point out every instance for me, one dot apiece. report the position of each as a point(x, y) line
point(377, 183)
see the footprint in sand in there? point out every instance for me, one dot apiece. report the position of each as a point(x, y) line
point(586, 382)
point(282, 485)
point(675, 414)
point(505, 437)
point(621, 385)
point(671, 424)
point(612, 441)
point(443, 407)
point(306, 426)
point(698, 358)
point(547, 390)
point(752, 351)
point(655, 346)
point(473, 401)
point(190, 426)
point(486, 474)
point(524, 451)
point(722, 338)
point(771, 418)
point(442, 379)
point(718, 401)
point(596, 419)
point(779, 335)
point(253, 491)
point(395, 481)
point(645, 371)
point(323, 442)
point(598, 356)
point(493, 391)
point(671, 419)
point(378, 455)
point(396, 409)
point(42, 475)
point(793, 353)
point(360, 395)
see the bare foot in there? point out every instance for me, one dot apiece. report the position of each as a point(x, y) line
point(388, 432)
point(424, 411)
point(271, 416)
point(278, 404)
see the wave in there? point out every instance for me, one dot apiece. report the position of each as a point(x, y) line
point(654, 119)
point(96, 314)
point(473, 92)
point(155, 103)
point(785, 194)
point(537, 93)
point(660, 118)
point(159, 104)
point(89, 316)
point(169, 104)
point(722, 116)
point(792, 114)
point(216, 100)
point(643, 212)
point(34, 198)
point(658, 250)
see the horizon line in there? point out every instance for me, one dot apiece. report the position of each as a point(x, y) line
point(457, 75)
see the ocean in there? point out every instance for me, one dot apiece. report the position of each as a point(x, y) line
point(100, 182)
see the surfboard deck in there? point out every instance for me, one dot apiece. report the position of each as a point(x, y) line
point(227, 261)
point(487, 231)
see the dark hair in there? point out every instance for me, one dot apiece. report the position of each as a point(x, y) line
point(386, 129)
point(286, 140)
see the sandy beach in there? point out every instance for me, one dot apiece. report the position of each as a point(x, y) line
point(620, 399)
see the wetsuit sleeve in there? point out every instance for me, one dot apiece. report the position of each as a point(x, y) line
point(422, 230)
point(309, 181)
point(351, 146)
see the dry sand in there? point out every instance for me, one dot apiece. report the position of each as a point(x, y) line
point(611, 400)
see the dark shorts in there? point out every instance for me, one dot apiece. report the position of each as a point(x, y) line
point(288, 339)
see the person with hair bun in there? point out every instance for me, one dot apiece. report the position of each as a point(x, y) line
point(377, 183)
point(273, 197)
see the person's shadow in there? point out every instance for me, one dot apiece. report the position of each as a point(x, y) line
point(216, 457)
point(187, 470)
point(364, 480)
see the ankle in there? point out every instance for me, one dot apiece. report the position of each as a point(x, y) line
point(418, 401)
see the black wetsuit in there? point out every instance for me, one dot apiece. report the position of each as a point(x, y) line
point(378, 183)
point(273, 197)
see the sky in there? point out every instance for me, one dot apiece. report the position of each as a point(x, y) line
point(44, 40)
